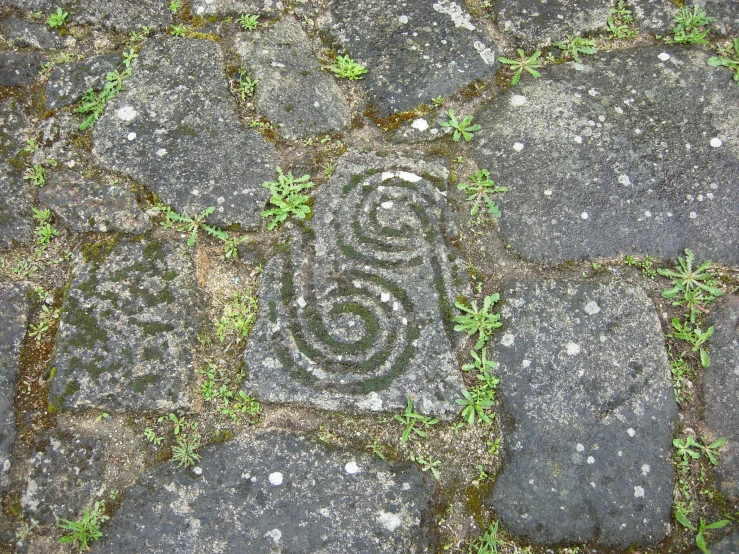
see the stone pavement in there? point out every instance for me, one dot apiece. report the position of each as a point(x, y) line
point(255, 302)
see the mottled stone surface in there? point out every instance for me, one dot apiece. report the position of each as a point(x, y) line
point(634, 151)
point(69, 82)
point(65, 475)
point(22, 33)
point(720, 392)
point(728, 545)
point(413, 51)
point(19, 68)
point(276, 492)
point(293, 92)
point(654, 16)
point(175, 129)
point(13, 124)
point(351, 315)
point(88, 206)
point(128, 326)
point(726, 14)
point(16, 223)
point(236, 8)
point(588, 415)
point(14, 306)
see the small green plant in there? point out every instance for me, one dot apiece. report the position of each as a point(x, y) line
point(461, 128)
point(478, 400)
point(102, 416)
point(438, 101)
point(620, 22)
point(238, 316)
point(700, 540)
point(139, 36)
point(574, 45)
point(488, 543)
point(681, 372)
point(690, 449)
point(287, 198)
point(94, 104)
point(81, 532)
point(129, 56)
point(248, 22)
point(57, 19)
point(152, 437)
point(376, 448)
point(31, 146)
point(217, 387)
point(410, 418)
point(478, 321)
point(478, 190)
point(691, 27)
point(184, 452)
point(178, 30)
point(692, 287)
point(728, 59)
point(530, 64)
point(179, 423)
point(695, 337)
point(45, 320)
point(36, 174)
point(328, 168)
point(493, 447)
point(426, 465)
point(175, 6)
point(347, 68)
point(245, 86)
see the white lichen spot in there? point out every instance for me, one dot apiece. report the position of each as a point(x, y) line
point(385, 296)
point(161, 152)
point(316, 104)
point(197, 470)
point(603, 338)
point(487, 55)
point(126, 113)
point(647, 214)
point(409, 177)
point(693, 215)
point(389, 520)
point(638, 492)
point(220, 200)
point(578, 139)
point(351, 468)
point(631, 431)
point(201, 10)
point(420, 124)
point(593, 92)
point(618, 109)
point(371, 402)
point(195, 192)
point(716, 142)
point(275, 478)
point(406, 486)
point(131, 136)
point(592, 308)
point(579, 447)
point(508, 339)
point(403, 19)
point(387, 175)
point(645, 469)
point(387, 205)
point(581, 373)
point(518, 100)
point(601, 118)
point(547, 192)
point(518, 146)
point(664, 56)
point(275, 535)
point(301, 302)
point(584, 215)
point(591, 460)
point(624, 180)
point(573, 349)
point(325, 512)
point(526, 364)
point(453, 10)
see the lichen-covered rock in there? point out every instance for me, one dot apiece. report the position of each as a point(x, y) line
point(588, 415)
point(235, 8)
point(87, 206)
point(15, 209)
point(13, 123)
point(293, 91)
point(276, 492)
point(19, 68)
point(21, 32)
point(351, 316)
point(69, 82)
point(127, 329)
point(413, 51)
point(634, 150)
point(175, 129)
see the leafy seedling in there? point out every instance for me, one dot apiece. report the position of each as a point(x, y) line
point(530, 64)
point(175, 6)
point(488, 543)
point(700, 540)
point(410, 418)
point(691, 27)
point(87, 529)
point(620, 21)
point(461, 128)
point(248, 22)
point(478, 190)
point(178, 30)
point(184, 452)
point(691, 287)
point(427, 465)
point(573, 46)
point(57, 19)
point(246, 85)
point(36, 174)
point(730, 62)
point(478, 321)
point(287, 198)
point(695, 337)
point(347, 68)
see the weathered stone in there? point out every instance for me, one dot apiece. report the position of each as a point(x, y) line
point(65, 475)
point(88, 206)
point(14, 306)
point(726, 14)
point(636, 150)
point(276, 492)
point(293, 91)
point(720, 388)
point(22, 32)
point(127, 329)
point(588, 415)
point(175, 129)
point(654, 17)
point(15, 209)
point(19, 68)
point(413, 51)
point(536, 24)
point(69, 82)
point(352, 314)
point(728, 545)
point(13, 124)
point(266, 8)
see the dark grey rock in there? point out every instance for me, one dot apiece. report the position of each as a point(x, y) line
point(351, 316)
point(726, 14)
point(16, 223)
point(536, 24)
point(276, 492)
point(69, 82)
point(265, 8)
point(19, 68)
point(22, 32)
point(13, 124)
point(88, 206)
point(720, 388)
point(413, 51)
point(637, 150)
point(14, 306)
point(65, 475)
point(654, 17)
point(127, 329)
point(728, 545)
point(293, 91)
point(175, 129)
point(588, 415)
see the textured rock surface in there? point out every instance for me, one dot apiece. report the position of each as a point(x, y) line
point(14, 306)
point(351, 316)
point(276, 492)
point(175, 129)
point(19, 68)
point(15, 209)
point(26, 33)
point(87, 206)
point(636, 151)
point(588, 412)
point(720, 387)
point(13, 122)
point(728, 545)
point(726, 14)
point(128, 325)
point(413, 51)
point(69, 82)
point(293, 91)
point(267, 8)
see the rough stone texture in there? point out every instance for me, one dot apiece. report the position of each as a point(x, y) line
point(22, 33)
point(654, 17)
point(351, 316)
point(293, 91)
point(413, 51)
point(276, 492)
point(69, 82)
point(265, 8)
point(15, 209)
point(726, 14)
point(720, 388)
point(588, 414)
point(19, 68)
point(175, 129)
point(728, 545)
point(536, 24)
point(129, 322)
point(423, 129)
point(637, 150)
point(65, 475)
point(14, 306)
point(13, 123)
point(88, 206)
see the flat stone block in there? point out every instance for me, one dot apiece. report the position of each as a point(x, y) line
point(69, 82)
point(19, 68)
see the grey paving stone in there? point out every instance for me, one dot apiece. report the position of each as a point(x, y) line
point(19, 68)
point(351, 316)
point(27, 33)
point(654, 17)
point(413, 51)
point(13, 124)
point(128, 325)
point(15, 209)
point(293, 91)
point(266, 8)
point(726, 14)
point(69, 82)
point(588, 414)
point(65, 474)
point(87, 206)
point(727, 545)
point(276, 492)
point(720, 391)
point(635, 151)
point(175, 129)
point(14, 306)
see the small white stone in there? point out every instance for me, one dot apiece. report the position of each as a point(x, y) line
point(593, 92)
point(387, 205)
point(518, 100)
point(580, 447)
point(716, 142)
point(351, 468)
point(161, 152)
point(601, 118)
point(584, 215)
point(578, 139)
point(420, 124)
point(638, 492)
point(647, 214)
point(517, 146)
point(631, 432)
point(389, 520)
point(403, 19)
point(693, 215)
point(275, 478)
point(316, 104)
point(197, 470)
point(131, 136)
point(385, 296)
point(525, 364)
point(301, 302)
point(274, 534)
point(126, 113)
point(645, 469)
point(664, 56)
point(573, 349)
point(591, 460)
point(201, 10)
point(624, 180)
point(592, 308)
point(507, 339)
point(547, 192)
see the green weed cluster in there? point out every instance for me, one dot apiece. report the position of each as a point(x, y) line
point(94, 103)
point(287, 198)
